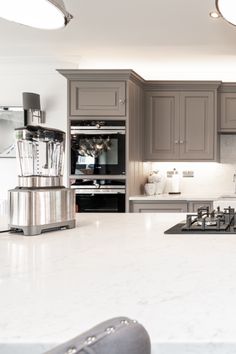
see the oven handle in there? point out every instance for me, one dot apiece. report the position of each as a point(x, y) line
point(108, 127)
point(100, 191)
point(96, 132)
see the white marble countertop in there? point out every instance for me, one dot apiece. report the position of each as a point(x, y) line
point(182, 288)
point(180, 197)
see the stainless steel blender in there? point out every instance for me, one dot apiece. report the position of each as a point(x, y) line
point(40, 202)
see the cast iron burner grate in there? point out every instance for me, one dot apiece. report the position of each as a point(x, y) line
point(204, 221)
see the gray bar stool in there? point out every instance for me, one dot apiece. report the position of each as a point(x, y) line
point(118, 335)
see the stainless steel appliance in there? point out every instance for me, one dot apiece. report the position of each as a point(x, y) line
point(100, 196)
point(97, 147)
point(40, 202)
point(205, 221)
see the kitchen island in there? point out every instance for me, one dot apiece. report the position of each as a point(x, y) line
point(182, 288)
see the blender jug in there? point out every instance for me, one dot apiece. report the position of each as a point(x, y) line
point(40, 155)
point(40, 151)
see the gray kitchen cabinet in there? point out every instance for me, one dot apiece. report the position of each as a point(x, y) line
point(168, 206)
point(194, 205)
point(162, 126)
point(197, 126)
point(228, 108)
point(159, 206)
point(180, 125)
point(113, 95)
point(97, 98)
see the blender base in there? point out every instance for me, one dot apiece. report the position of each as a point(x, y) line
point(37, 230)
point(37, 210)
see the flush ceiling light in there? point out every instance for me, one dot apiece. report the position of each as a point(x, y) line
point(43, 14)
point(227, 9)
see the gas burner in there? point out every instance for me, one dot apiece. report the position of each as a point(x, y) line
point(204, 220)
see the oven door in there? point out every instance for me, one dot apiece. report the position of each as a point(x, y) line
point(98, 152)
point(100, 202)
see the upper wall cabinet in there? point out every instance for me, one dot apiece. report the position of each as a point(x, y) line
point(180, 125)
point(228, 108)
point(97, 98)
point(161, 125)
point(197, 126)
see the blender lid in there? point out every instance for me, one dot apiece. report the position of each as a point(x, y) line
point(31, 132)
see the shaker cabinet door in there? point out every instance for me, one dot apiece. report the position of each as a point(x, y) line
point(159, 207)
point(228, 111)
point(97, 98)
point(197, 126)
point(161, 126)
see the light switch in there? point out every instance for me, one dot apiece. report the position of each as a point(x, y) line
point(169, 173)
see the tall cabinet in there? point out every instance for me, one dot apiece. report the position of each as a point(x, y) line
point(181, 121)
point(110, 95)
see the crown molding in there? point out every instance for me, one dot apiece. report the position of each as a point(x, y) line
point(101, 74)
point(181, 85)
point(228, 87)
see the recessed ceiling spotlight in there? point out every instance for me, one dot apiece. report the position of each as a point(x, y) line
point(214, 14)
point(43, 14)
point(227, 9)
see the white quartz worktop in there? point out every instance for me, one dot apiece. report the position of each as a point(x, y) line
point(182, 288)
point(173, 197)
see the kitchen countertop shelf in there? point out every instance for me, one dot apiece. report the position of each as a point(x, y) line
point(186, 197)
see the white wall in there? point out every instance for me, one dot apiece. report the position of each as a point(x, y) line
point(17, 76)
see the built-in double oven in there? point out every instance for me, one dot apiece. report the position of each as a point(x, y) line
point(97, 148)
point(98, 165)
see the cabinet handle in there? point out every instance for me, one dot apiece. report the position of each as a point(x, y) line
point(122, 101)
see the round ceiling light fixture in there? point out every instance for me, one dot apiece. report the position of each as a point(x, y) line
point(42, 14)
point(227, 9)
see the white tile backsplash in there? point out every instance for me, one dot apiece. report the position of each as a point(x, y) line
point(209, 177)
point(228, 149)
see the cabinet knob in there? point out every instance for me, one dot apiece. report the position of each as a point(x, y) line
point(181, 141)
point(176, 141)
point(122, 101)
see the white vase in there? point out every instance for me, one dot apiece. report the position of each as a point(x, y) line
point(159, 180)
point(150, 188)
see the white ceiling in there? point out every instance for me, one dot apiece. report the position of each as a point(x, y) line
point(164, 39)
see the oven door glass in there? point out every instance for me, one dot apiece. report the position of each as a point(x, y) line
point(100, 203)
point(98, 154)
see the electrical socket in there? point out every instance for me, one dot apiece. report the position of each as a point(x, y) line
point(169, 173)
point(188, 173)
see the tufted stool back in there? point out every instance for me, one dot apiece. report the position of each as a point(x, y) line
point(118, 335)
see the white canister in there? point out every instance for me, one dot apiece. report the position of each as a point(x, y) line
point(149, 188)
point(175, 183)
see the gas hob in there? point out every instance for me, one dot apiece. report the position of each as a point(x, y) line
point(208, 222)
